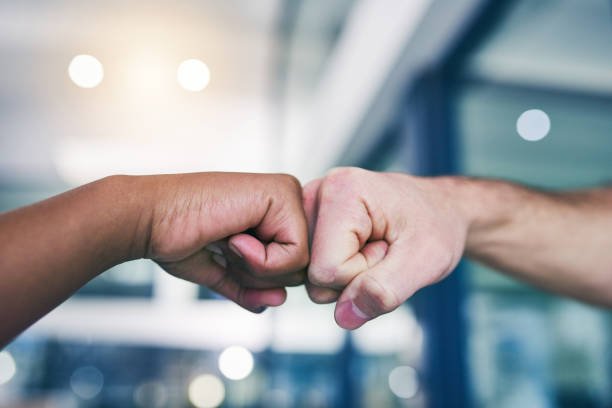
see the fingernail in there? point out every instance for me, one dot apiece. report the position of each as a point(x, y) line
point(261, 309)
point(349, 316)
point(220, 260)
point(235, 250)
point(214, 248)
point(358, 312)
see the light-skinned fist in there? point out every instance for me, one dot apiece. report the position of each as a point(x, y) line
point(377, 238)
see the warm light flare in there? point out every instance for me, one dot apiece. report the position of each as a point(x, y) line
point(86, 71)
point(193, 75)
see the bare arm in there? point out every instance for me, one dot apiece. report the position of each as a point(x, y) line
point(50, 249)
point(379, 237)
point(557, 241)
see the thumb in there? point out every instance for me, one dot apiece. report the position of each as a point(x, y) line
point(266, 260)
point(376, 291)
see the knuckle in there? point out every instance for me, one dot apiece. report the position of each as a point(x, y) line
point(290, 182)
point(319, 276)
point(318, 299)
point(340, 181)
point(343, 172)
point(321, 296)
point(314, 293)
point(381, 299)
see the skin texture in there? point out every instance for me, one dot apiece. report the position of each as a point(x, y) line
point(377, 238)
point(242, 235)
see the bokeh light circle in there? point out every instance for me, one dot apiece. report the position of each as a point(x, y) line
point(404, 382)
point(236, 362)
point(87, 382)
point(206, 391)
point(86, 71)
point(533, 125)
point(151, 394)
point(193, 75)
point(8, 368)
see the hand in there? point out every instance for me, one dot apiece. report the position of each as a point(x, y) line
point(377, 238)
point(252, 224)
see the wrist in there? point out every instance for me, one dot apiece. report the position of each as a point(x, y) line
point(133, 197)
point(485, 206)
point(461, 192)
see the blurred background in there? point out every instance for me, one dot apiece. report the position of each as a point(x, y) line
point(513, 89)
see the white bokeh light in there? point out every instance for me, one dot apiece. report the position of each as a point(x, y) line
point(404, 382)
point(236, 362)
point(87, 382)
point(193, 75)
point(86, 71)
point(206, 391)
point(533, 125)
point(8, 368)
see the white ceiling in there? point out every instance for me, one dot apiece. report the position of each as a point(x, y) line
point(269, 86)
point(138, 120)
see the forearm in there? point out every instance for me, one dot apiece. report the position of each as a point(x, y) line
point(558, 241)
point(50, 249)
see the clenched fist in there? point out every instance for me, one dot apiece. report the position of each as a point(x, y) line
point(242, 235)
point(377, 238)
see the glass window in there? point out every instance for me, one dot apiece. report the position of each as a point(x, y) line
point(526, 347)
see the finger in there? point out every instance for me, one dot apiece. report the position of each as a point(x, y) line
point(366, 258)
point(272, 260)
point(321, 295)
point(309, 201)
point(343, 227)
point(215, 247)
point(284, 231)
point(244, 277)
point(200, 268)
point(340, 247)
point(221, 281)
point(377, 291)
point(373, 253)
point(240, 270)
point(238, 265)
